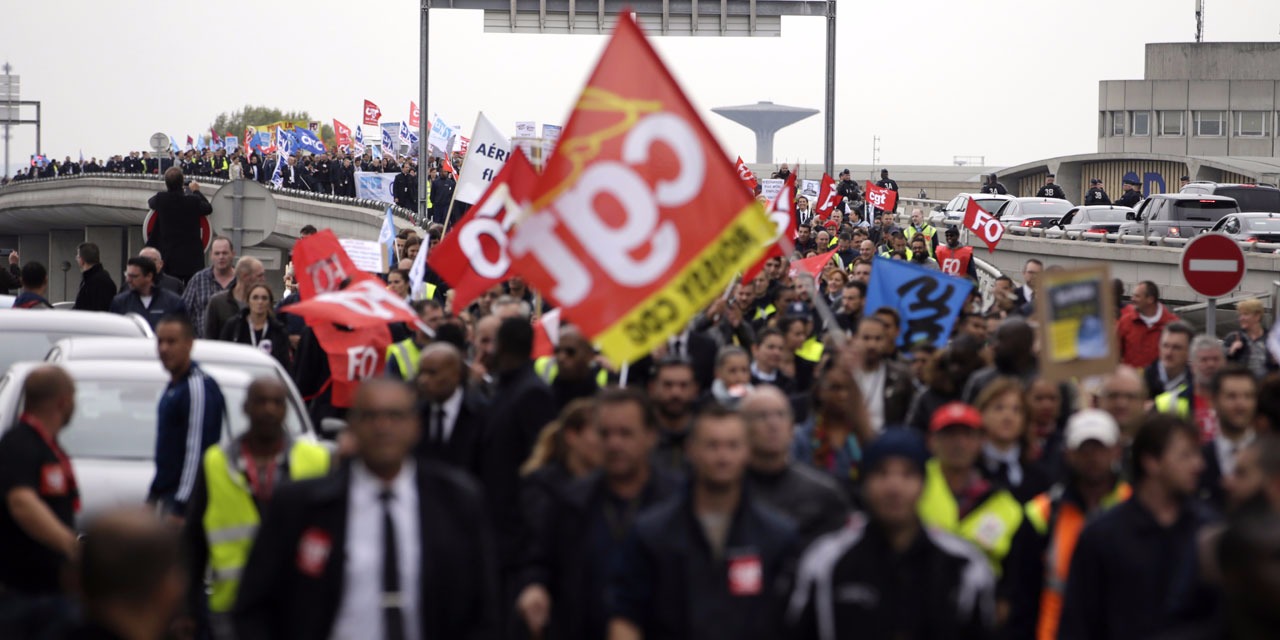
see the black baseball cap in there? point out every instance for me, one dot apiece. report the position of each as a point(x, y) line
point(1132, 183)
point(1094, 181)
point(845, 172)
point(1052, 176)
point(952, 231)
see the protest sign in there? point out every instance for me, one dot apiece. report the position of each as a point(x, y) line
point(367, 255)
point(1077, 316)
point(927, 300)
point(769, 188)
point(373, 185)
point(782, 213)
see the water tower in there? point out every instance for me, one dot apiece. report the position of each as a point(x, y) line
point(765, 119)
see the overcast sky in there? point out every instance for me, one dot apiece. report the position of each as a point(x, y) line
point(1009, 80)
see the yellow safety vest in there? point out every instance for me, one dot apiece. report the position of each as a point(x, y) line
point(928, 231)
point(889, 254)
point(990, 527)
point(408, 354)
point(765, 312)
point(811, 350)
point(1173, 402)
point(231, 519)
point(547, 368)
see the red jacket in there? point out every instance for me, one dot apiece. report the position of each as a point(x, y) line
point(1140, 344)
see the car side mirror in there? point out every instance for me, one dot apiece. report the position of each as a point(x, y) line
point(1131, 216)
point(331, 427)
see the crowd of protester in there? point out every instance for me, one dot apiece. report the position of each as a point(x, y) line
point(762, 474)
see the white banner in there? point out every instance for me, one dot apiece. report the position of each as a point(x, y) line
point(371, 185)
point(526, 129)
point(367, 255)
point(487, 151)
point(770, 187)
point(441, 133)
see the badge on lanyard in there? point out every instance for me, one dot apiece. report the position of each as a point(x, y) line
point(746, 576)
point(53, 482)
point(313, 552)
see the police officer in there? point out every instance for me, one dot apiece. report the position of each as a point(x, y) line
point(1131, 196)
point(233, 487)
point(848, 189)
point(885, 181)
point(993, 186)
point(1095, 194)
point(1051, 190)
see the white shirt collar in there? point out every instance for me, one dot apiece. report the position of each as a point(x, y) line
point(452, 407)
point(765, 377)
point(1150, 321)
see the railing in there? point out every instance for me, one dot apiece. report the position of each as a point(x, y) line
point(1115, 238)
point(365, 203)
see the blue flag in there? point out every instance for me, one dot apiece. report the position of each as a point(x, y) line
point(173, 145)
point(359, 136)
point(307, 140)
point(284, 142)
point(387, 236)
point(927, 300)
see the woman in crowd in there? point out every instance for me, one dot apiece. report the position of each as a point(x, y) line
point(259, 328)
point(398, 283)
point(833, 437)
point(795, 333)
point(1007, 447)
point(835, 280)
point(567, 449)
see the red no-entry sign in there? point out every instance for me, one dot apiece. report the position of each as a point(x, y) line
point(1213, 265)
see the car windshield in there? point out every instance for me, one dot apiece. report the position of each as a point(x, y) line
point(116, 419)
point(1204, 210)
point(1253, 198)
point(1111, 215)
point(990, 206)
point(19, 345)
point(1045, 208)
point(1262, 225)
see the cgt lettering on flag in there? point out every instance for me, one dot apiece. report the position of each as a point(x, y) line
point(636, 224)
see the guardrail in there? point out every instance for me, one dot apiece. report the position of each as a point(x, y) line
point(1127, 239)
point(365, 203)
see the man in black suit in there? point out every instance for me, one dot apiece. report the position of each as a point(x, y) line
point(453, 417)
point(1234, 391)
point(522, 405)
point(405, 189)
point(321, 564)
point(254, 171)
point(97, 289)
point(177, 229)
point(441, 194)
point(292, 175)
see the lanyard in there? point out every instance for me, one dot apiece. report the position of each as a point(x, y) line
point(261, 487)
point(253, 335)
point(63, 460)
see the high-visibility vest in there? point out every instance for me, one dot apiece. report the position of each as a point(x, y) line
point(231, 519)
point(1174, 402)
point(990, 526)
point(762, 314)
point(547, 368)
point(811, 350)
point(407, 353)
point(431, 291)
point(928, 231)
point(888, 254)
point(1062, 521)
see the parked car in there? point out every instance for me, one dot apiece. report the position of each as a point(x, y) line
point(1249, 197)
point(1034, 212)
point(112, 436)
point(1251, 227)
point(255, 362)
point(1177, 215)
point(27, 335)
point(953, 211)
point(1096, 218)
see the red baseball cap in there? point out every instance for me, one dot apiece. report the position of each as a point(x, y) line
point(955, 413)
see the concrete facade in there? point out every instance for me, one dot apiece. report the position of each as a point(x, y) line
point(1206, 99)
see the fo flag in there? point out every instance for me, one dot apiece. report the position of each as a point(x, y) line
point(371, 113)
point(485, 158)
point(341, 134)
point(746, 176)
point(882, 198)
point(828, 198)
point(927, 300)
point(782, 212)
point(474, 256)
point(638, 221)
point(985, 225)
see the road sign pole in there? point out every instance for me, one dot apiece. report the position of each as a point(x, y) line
point(1211, 320)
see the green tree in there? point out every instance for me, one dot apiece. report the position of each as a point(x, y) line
point(236, 121)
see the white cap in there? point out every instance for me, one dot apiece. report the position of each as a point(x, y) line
point(1091, 424)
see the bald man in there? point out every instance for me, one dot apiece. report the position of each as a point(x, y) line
point(162, 279)
point(227, 305)
point(812, 499)
point(482, 365)
point(218, 532)
point(571, 372)
point(453, 417)
point(38, 483)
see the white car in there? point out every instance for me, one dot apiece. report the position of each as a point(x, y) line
point(112, 436)
point(1096, 218)
point(953, 211)
point(27, 335)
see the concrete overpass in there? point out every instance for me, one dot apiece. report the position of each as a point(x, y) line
point(46, 220)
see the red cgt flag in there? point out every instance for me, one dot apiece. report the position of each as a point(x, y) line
point(828, 198)
point(341, 134)
point(371, 113)
point(882, 198)
point(415, 114)
point(812, 266)
point(474, 256)
point(748, 178)
point(986, 226)
point(782, 211)
point(638, 221)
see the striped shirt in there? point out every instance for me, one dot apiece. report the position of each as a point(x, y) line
point(189, 420)
point(200, 289)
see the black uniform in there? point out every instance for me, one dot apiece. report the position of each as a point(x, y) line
point(28, 460)
point(404, 188)
point(996, 188)
point(1129, 198)
point(177, 230)
point(1051, 191)
point(1096, 195)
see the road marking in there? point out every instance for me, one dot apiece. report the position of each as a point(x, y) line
point(1220, 266)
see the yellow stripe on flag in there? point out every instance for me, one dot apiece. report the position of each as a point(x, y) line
point(667, 311)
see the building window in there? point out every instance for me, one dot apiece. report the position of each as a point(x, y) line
point(1141, 123)
point(1251, 124)
point(1117, 123)
point(1209, 124)
point(1171, 123)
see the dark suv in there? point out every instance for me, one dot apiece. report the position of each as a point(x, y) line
point(1249, 197)
point(1178, 215)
